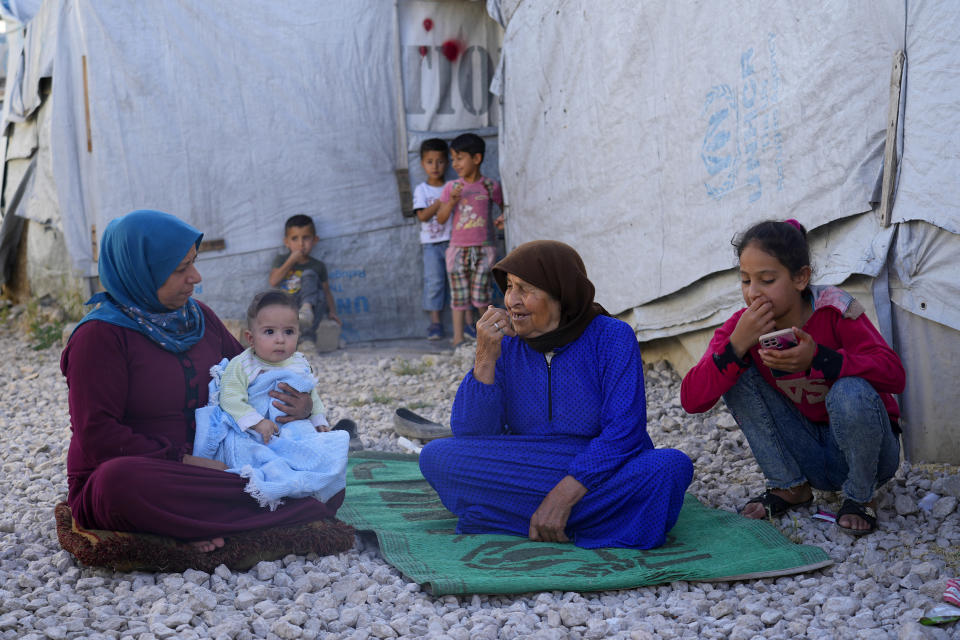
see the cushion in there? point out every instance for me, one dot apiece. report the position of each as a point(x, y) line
point(125, 551)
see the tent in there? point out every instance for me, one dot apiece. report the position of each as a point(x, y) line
point(648, 134)
point(234, 116)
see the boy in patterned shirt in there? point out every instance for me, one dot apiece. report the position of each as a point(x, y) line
point(470, 257)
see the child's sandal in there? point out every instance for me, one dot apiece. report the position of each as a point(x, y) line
point(774, 505)
point(853, 508)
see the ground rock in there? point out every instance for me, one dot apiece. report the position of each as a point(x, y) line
point(947, 486)
point(573, 615)
point(904, 505)
point(944, 507)
point(843, 606)
point(912, 631)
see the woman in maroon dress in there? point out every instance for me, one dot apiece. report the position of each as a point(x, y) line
point(137, 368)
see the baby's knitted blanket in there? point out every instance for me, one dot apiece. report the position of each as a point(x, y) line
point(297, 463)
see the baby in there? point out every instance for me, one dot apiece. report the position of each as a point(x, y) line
point(239, 427)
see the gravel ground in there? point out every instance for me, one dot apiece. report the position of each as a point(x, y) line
point(878, 588)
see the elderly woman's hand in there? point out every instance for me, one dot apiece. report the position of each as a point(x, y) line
point(491, 328)
point(296, 404)
point(548, 522)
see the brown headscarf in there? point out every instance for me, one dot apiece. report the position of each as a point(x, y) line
point(556, 268)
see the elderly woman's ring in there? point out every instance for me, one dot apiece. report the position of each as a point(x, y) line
point(496, 325)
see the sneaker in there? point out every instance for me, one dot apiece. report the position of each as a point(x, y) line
point(470, 332)
point(435, 331)
point(306, 317)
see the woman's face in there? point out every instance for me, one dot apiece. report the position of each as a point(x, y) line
point(178, 288)
point(533, 311)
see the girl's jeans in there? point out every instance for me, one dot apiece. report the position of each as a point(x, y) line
point(855, 453)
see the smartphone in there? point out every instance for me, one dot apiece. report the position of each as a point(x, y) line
point(779, 340)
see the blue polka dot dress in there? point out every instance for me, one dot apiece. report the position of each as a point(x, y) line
point(581, 412)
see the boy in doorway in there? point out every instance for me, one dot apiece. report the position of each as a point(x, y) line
point(434, 235)
point(469, 200)
point(304, 276)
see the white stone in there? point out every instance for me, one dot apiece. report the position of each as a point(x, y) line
point(574, 615)
point(382, 630)
point(944, 507)
point(265, 570)
point(912, 631)
point(926, 570)
point(245, 599)
point(201, 600)
point(283, 629)
point(553, 618)
point(842, 605)
point(904, 504)
point(726, 421)
point(948, 486)
point(596, 629)
point(349, 616)
point(178, 618)
point(770, 617)
point(721, 609)
point(55, 632)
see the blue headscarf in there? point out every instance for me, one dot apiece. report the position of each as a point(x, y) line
point(138, 253)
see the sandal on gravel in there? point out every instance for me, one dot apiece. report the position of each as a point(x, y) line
point(774, 504)
point(852, 508)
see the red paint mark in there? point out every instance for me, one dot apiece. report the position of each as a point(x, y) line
point(427, 24)
point(451, 49)
point(424, 50)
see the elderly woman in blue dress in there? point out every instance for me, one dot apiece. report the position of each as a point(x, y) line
point(549, 427)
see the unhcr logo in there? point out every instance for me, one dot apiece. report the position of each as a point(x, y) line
point(743, 128)
point(720, 151)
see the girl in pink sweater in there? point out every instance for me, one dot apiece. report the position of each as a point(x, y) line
point(818, 414)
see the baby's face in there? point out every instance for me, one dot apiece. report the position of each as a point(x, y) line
point(275, 333)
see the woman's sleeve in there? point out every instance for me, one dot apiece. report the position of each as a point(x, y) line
point(96, 371)
point(478, 409)
point(623, 413)
point(718, 370)
point(863, 354)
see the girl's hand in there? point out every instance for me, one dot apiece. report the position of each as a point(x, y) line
point(498, 222)
point(491, 327)
point(753, 323)
point(798, 358)
point(266, 429)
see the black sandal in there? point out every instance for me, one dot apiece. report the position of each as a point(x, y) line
point(774, 504)
point(852, 508)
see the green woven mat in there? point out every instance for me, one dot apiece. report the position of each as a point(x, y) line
point(387, 494)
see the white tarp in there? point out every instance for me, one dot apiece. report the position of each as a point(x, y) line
point(647, 134)
point(929, 188)
point(19, 10)
point(448, 52)
point(242, 108)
